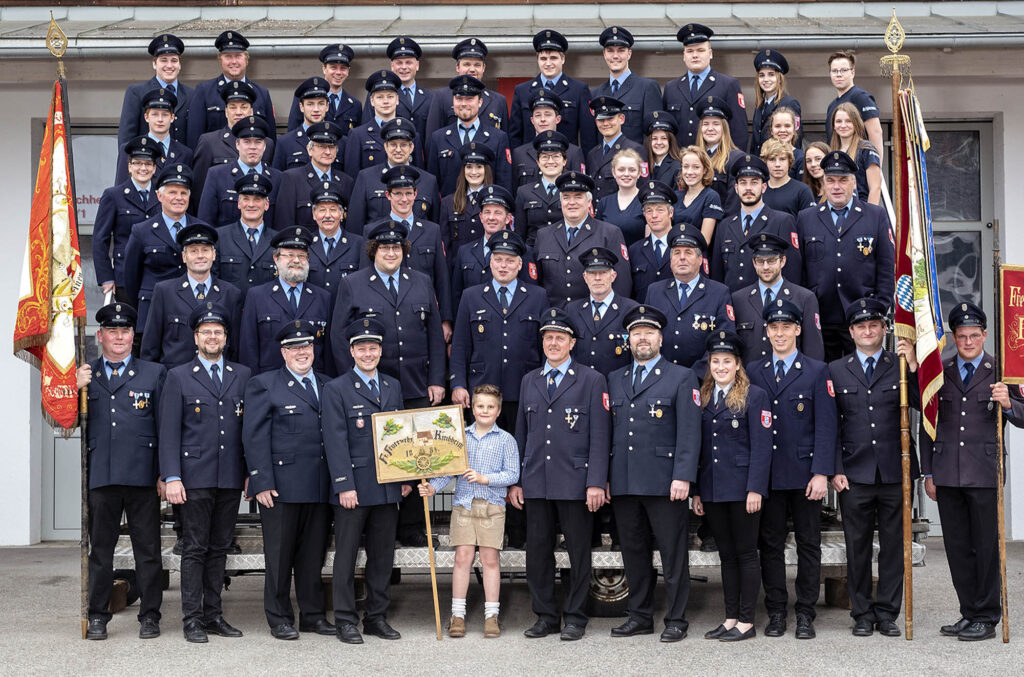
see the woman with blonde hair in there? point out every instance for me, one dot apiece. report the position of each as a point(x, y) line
point(622, 208)
point(697, 202)
point(716, 141)
point(850, 136)
point(784, 193)
point(785, 126)
point(770, 94)
point(814, 175)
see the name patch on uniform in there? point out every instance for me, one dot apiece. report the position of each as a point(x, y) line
point(696, 396)
point(766, 418)
point(831, 388)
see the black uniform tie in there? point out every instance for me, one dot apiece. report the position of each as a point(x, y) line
point(869, 367)
point(659, 251)
point(333, 98)
point(115, 369)
point(721, 399)
point(392, 289)
point(638, 377)
point(200, 291)
point(780, 370)
point(144, 194)
point(552, 191)
point(293, 295)
point(330, 246)
point(176, 227)
point(969, 368)
point(597, 311)
point(503, 297)
point(570, 233)
point(374, 390)
point(552, 384)
point(308, 385)
point(693, 88)
point(215, 375)
point(615, 86)
point(253, 232)
point(840, 215)
point(748, 220)
point(769, 296)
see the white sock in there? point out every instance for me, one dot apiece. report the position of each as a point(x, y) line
point(458, 608)
point(491, 609)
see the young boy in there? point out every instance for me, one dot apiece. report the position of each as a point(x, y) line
point(478, 515)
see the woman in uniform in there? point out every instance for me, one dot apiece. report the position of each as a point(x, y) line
point(716, 141)
point(814, 175)
point(622, 208)
point(784, 194)
point(851, 138)
point(698, 203)
point(460, 211)
point(538, 204)
point(732, 478)
point(771, 68)
point(662, 147)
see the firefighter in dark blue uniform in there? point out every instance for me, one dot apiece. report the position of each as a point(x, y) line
point(545, 114)
point(655, 410)
point(244, 255)
point(804, 441)
point(639, 95)
point(608, 118)
point(291, 149)
point(563, 430)
point(869, 469)
point(364, 146)
point(667, 169)
point(122, 206)
point(158, 109)
point(601, 342)
point(166, 50)
point(206, 108)
point(293, 207)
point(362, 506)
point(577, 123)
point(123, 468)
point(470, 59)
point(774, 64)
point(695, 305)
point(343, 109)
point(168, 338)
point(848, 251)
point(288, 477)
point(283, 300)
point(650, 258)
point(219, 202)
point(700, 82)
point(768, 253)
point(333, 254)
point(414, 102)
point(538, 204)
point(202, 464)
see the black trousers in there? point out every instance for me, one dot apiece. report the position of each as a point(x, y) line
point(208, 519)
point(638, 517)
point(863, 506)
point(410, 515)
point(837, 340)
point(142, 506)
point(735, 530)
point(294, 539)
point(378, 522)
point(971, 537)
point(807, 529)
point(576, 522)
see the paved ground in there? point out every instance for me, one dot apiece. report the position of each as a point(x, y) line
point(39, 634)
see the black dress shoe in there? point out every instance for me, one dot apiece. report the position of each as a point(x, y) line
point(178, 547)
point(320, 627)
point(977, 631)
point(284, 631)
point(805, 628)
point(97, 629)
point(776, 625)
point(572, 632)
point(672, 633)
point(413, 539)
point(381, 629)
point(888, 628)
point(708, 544)
point(955, 629)
point(234, 548)
point(149, 629)
point(195, 633)
point(633, 627)
point(540, 629)
point(735, 635)
point(716, 633)
point(221, 627)
point(349, 634)
point(863, 628)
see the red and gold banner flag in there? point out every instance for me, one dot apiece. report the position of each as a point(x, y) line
point(1011, 335)
point(51, 304)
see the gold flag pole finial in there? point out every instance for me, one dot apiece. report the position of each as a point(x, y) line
point(894, 39)
point(57, 43)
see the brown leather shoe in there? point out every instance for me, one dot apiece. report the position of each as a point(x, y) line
point(457, 627)
point(491, 627)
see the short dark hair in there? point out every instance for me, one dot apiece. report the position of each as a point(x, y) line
point(843, 54)
point(488, 389)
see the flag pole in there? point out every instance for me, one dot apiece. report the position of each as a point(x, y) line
point(895, 65)
point(997, 270)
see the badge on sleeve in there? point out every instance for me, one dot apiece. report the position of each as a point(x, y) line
point(817, 321)
point(508, 155)
point(796, 122)
point(729, 312)
point(707, 271)
point(766, 418)
point(625, 252)
point(605, 402)
point(696, 396)
point(645, 169)
point(891, 241)
point(741, 101)
point(831, 388)
point(533, 270)
point(794, 239)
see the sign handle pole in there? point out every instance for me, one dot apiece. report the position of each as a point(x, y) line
point(1000, 476)
point(433, 570)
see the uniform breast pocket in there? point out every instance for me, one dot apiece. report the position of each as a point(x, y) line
point(425, 256)
point(193, 453)
point(482, 325)
point(575, 420)
point(290, 418)
point(639, 268)
point(675, 107)
point(531, 411)
point(567, 104)
point(155, 251)
point(729, 248)
point(358, 423)
point(616, 407)
point(197, 408)
point(986, 404)
point(801, 405)
point(847, 397)
point(744, 328)
point(814, 249)
point(176, 326)
point(660, 411)
point(267, 325)
point(422, 312)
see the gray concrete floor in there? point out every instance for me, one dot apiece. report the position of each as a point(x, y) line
point(40, 634)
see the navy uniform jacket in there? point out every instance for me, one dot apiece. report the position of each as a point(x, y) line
point(459, 229)
point(841, 268)
point(201, 427)
point(151, 256)
point(736, 450)
point(667, 171)
point(213, 149)
point(427, 255)
point(558, 266)
point(267, 308)
point(869, 419)
point(645, 268)
point(965, 447)
point(368, 202)
point(761, 130)
point(471, 267)
point(639, 96)
point(347, 114)
point(748, 304)
point(348, 437)
point(804, 420)
point(600, 164)
point(654, 430)
point(290, 151)
point(524, 164)
point(492, 346)
point(219, 202)
point(167, 337)
point(535, 210)
point(206, 108)
point(564, 441)
point(707, 309)
point(364, 148)
point(603, 345)
point(418, 114)
point(677, 101)
point(445, 163)
point(493, 110)
point(120, 208)
point(349, 255)
point(732, 264)
point(122, 432)
point(414, 347)
point(281, 434)
point(177, 153)
point(724, 184)
point(293, 206)
point(237, 263)
point(577, 121)
point(133, 122)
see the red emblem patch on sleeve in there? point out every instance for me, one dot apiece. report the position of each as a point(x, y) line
point(729, 312)
point(817, 321)
point(766, 418)
point(591, 209)
point(533, 270)
point(794, 239)
point(740, 100)
point(606, 402)
point(796, 123)
point(696, 396)
point(645, 170)
point(508, 155)
point(1021, 389)
point(583, 168)
point(625, 252)
point(831, 388)
point(707, 271)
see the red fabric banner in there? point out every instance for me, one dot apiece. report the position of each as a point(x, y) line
point(1011, 335)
